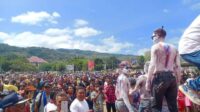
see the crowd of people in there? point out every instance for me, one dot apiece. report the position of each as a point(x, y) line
point(80, 92)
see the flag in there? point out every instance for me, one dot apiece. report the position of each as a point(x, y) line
point(90, 65)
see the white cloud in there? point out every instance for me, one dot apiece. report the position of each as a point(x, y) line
point(35, 18)
point(80, 23)
point(27, 39)
point(62, 38)
point(142, 51)
point(166, 10)
point(4, 36)
point(56, 31)
point(86, 32)
point(55, 14)
point(114, 46)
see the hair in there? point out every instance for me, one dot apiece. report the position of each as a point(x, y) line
point(13, 82)
point(79, 88)
point(160, 32)
point(61, 94)
point(132, 81)
point(52, 95)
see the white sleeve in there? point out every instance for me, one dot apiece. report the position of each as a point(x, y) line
point(73, 108)
point(190, 40)
point(45, 108)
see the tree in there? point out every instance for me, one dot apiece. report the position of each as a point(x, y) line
point(15, 63)
point(141, 60)
point(147, 55)
point(45, 67)
point(20, 64)
point(5, 66)
point(2, 60)
point(58, 66)
point(98, 64)
point(112, 62)
point(80, 63)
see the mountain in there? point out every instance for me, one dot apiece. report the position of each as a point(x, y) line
point(56, 54)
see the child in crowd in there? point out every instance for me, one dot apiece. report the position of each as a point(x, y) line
point(97, 98)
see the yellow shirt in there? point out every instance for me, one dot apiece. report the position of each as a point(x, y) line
point(10, 87)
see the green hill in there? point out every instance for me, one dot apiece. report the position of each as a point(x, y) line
point(56, 54)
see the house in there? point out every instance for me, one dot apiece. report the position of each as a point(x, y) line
point(36, 60)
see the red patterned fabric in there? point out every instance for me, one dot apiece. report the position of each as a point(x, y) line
point(110, 94)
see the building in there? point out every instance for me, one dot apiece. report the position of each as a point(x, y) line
point(36, 60)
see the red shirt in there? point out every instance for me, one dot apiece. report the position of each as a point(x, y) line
point(110, 94)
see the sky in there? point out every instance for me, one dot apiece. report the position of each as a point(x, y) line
point(108, 26)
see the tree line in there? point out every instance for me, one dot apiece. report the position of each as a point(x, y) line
point(21, 64)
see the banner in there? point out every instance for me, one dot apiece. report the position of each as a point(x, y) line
point(70, 67)
point(90, 65)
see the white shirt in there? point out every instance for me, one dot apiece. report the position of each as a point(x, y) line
point(50, 107)
point(79, 106)
point(190, 40)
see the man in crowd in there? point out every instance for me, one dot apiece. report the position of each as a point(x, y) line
point(110, 95)
point(122, 91)
point(79, 104)
point(62, 97)
point(145, 97)
point(84, 81)
point(11, 86)
point(164, 72)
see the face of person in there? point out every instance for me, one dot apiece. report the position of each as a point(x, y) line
point(109, 81)
point(38, 80)
point(84, 78)
point(80, 94)
point(91, 87)
point(59, 99)
point(70, 89)
point(155, 38)
point(97, 88)
point(47, 89)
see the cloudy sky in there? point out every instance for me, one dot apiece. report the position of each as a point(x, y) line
point(111, 26)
